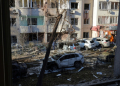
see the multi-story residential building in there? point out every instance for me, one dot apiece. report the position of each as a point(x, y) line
point(36, 18)
point(87, 19)
point(105, 17)
point(27, 17)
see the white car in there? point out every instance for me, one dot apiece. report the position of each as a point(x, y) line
point(87, 44)
point(103, 41)
point(71, 46)
point(95, 42)
point(65, 60)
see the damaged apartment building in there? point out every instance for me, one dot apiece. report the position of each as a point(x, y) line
point(35, 19)
point(105, 18)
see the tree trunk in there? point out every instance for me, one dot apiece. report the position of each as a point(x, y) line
point(39, 83)
point(117, 52)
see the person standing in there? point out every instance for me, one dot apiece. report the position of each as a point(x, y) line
point(111, 39)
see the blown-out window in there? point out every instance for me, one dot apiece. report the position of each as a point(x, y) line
point(32, 21)
point(74, 5)
point(85, 34)
point(74, 21)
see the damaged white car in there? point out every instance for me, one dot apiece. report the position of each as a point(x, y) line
point(65, 60)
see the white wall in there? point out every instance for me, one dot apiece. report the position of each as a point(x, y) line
point(78, 14)
point(95, 10)
point(94, 34)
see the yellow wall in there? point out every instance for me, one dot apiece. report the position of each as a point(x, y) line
point(86, 27)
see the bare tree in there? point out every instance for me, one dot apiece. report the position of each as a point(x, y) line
point(39, 83)
point(117, 55)
point(23, 38)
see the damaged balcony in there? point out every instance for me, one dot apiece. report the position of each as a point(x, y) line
point(31, 29)
point(29, 12)
point(52, 12)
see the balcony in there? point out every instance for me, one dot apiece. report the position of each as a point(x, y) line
point(29, 12)
point(32, 29)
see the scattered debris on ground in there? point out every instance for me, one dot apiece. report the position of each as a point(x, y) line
point(96, 68)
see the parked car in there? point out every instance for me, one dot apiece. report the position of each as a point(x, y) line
point(86, 43)
point(65, 60)
point(104, 42)
point(18, 69)
point(95, 42)
point(71, 46)
point(68, 45)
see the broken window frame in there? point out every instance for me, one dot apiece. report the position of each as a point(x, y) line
point(102, 5)
point(87, 21)
point(75, 5)
point(74, 21)
point(53, 5)
point(12, 21)
point(32, 21)
point(31, 4)
point(52, 20)
point(85, 34)
point(109, 5)
point(12, 3)
point(115, 5)
point(88, 7)
point(107, 19)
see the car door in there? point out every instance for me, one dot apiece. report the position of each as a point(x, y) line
point(64, 61)
point(82, 43)
point(72, 59)
point(86, 44)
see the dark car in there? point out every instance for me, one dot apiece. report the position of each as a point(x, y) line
point(18, 69)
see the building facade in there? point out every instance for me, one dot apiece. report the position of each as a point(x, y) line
point(105, 17)
point(36, 19)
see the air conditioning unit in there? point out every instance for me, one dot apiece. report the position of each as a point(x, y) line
point(15, 10)
point(72, 11)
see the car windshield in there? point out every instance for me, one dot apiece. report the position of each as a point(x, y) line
point(107, 40)
point(56, 57)
point(92, 41)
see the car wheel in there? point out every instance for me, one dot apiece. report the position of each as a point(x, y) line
point(86, 48)
point(78, 64)
point(54, 67)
